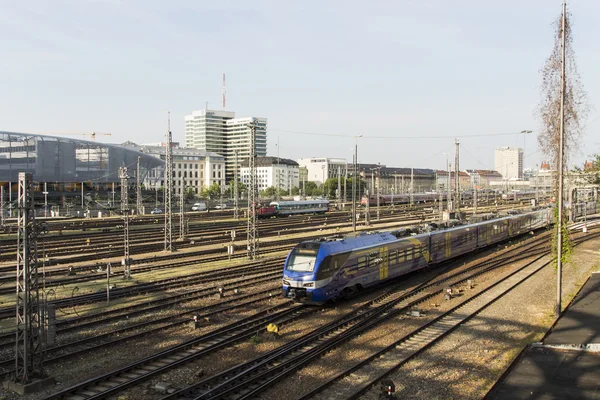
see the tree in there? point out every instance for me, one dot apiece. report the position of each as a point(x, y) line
point(212, 192)
point(295, 191)
point(592, 170)
point(269, 192)
point(309, 187)
point(562, 111)
point(241, 187)
point(189, 194)
point(576, 107)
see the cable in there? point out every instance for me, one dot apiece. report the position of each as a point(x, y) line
point(392, 137)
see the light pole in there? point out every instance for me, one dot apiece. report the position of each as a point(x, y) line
point(524, 132)
point(354, 182)
point(323, 176)
point(45, 199)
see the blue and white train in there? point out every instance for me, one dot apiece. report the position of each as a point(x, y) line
point(320, 270)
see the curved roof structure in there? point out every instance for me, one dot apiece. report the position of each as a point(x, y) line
point(60, 159)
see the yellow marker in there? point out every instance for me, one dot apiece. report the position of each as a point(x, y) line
point(272, 328)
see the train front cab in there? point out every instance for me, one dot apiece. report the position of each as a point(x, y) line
point(307, 275)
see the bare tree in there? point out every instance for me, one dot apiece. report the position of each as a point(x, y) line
point(563, 108)
point(576, 106)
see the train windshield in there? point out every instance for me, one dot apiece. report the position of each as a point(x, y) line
point(302, 260)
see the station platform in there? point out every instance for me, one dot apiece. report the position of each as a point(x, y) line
point(566, 365)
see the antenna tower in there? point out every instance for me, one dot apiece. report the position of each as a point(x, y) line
point(224, 93)
point(181, 211)
point(138, 189)
point(125, 210)
point(252, 196)
point(456, 179)
point(29, 347)
point(169, 189)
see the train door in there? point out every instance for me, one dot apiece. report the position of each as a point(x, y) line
point(448, 244)
point(383, 267)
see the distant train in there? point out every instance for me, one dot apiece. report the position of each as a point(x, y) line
point(522, 195)
point(404, 198)
point(286, 208)
point(317, 271)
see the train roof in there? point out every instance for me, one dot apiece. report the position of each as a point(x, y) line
point(299, 202)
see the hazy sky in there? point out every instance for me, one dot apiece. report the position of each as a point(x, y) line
point(400, 68)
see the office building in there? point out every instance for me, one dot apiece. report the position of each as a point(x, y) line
point(320, 169)
point(272, 172)
point(508, 162)
point(218, 131)
point(193, 169)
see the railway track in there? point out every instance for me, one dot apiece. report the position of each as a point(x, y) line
point(271, 267)
point(246, 376)
point(143, 228)
point(139, 330)
point(66, 251)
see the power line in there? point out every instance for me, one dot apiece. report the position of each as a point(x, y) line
point(394, 137)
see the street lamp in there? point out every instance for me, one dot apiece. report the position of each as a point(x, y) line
point(524, 132)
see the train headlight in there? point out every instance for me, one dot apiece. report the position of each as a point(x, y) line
point(286, 283)
point(309, 284)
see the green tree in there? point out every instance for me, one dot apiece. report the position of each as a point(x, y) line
point(269, 192)
point(231, 187)
point(212, 192)
point(190, 193)
point(309, 188)
point(295, 191)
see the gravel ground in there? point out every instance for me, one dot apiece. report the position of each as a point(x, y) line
point(467, 363)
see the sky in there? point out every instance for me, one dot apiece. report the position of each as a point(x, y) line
point(410, 76)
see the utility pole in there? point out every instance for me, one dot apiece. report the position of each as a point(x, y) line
point(252, 196)
point(346, 185)
point(168, 189)
point(125, 210)
point(377, 183)
point(456, 179)
point(29, 338)
point(412, 179)
point(441, 200)
point(277, 173)
point(138, 189)
point(2, 206)
point(561, 151)
point(339, 190)
point(354, 177)
point(235, 188)
point(475, 201)
point(367, 209)
point(182, 211)
point(449, 195)
point(394, 190)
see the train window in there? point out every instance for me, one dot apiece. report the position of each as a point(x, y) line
point(409, 254)
point(362, 262)
point(394, 257)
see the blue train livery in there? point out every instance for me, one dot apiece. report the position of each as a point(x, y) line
point(317, 271)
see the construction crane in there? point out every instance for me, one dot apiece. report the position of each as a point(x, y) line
point(91, 135)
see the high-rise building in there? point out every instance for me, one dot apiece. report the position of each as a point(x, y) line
point(509, 162)
point(220, 132)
